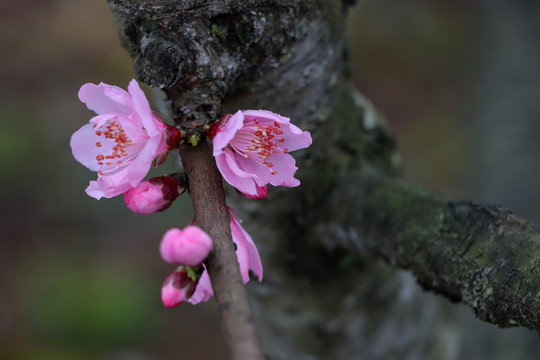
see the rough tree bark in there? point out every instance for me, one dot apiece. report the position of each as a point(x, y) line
point(323, 296)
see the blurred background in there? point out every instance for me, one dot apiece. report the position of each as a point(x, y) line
point(459, 84)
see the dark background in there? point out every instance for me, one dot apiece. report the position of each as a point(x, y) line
point(459, 85)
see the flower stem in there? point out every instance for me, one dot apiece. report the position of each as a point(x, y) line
point(210, 208)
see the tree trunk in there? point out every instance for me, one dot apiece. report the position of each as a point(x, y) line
point(325, 296)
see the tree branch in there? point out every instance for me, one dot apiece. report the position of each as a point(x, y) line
point(481, 255)
point(178, 46)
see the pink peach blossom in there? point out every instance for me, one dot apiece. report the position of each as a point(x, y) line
point(252, 149)
point(177, 288)
point(246, 254)
point(187, 247)
point(152, 195)
point(121, 142)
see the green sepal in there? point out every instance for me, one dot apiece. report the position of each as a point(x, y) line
point(191, 273)
point(194, 139)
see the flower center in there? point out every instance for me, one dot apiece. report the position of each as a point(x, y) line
point(258, 142)
point(114, 132)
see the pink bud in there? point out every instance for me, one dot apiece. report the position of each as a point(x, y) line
point(185, 247)
point(172, 137)
point(149, 196)
point(177, 288)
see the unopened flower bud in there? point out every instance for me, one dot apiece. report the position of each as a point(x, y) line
point(188, 247)
point(177, 288)
point(172, 137)
point(149, 196)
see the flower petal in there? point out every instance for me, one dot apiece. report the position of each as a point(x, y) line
point(247, 254)
point(106, 187)
point(234, 175)
point(142, 107)
point(83, 147)
point(226, 133)
point(294, 137)
point(204, 290)
point(104, 98)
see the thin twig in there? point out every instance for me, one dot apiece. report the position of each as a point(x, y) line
point(210, 208)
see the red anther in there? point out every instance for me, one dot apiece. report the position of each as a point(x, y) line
point(98, 144)
point(285, 151)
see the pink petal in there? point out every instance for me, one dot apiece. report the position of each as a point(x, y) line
point(283, 165)
point(104, 99)
point(204, 290)
point(107, 189)
point(226, 133)
point(140, 165)
point(83, 147)
point(100, 120)
point(133, 128)
point(294, 137)
point(234, 175)
point(248, 256)
point(142, 108)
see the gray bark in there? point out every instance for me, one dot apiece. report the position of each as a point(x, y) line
point(324, 295)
